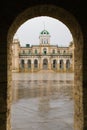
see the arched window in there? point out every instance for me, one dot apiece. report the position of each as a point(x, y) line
point(61, 64)
point(22, 65)
point(45, 41)
point(29, 51)
point(23, 51)
point(58, 52)
point(35, 63)
point(53, 51)
point(29, 64)
point(45, 51)
point(35, 51)
point(64, 51)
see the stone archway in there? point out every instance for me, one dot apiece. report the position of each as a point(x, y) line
point(44, 51)
point(61, 64)
point(67, 64)
point(54, 64)
point(35, 64)
point(29, 64)
point(69, 20)
point(45, 64)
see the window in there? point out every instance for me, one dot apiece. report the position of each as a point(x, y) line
point(45, 41)
point(35, 51)
point(45, 51)
point(29, 51)
point(53, 51)
point(59, 52)
point(23, 51)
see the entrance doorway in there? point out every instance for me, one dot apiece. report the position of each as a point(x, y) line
point(45, 64)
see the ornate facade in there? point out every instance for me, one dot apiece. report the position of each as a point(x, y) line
point(43, 56)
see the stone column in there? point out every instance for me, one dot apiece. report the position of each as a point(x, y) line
point(49, 64)
point(19, 65)
point(58, 66)
point(64, 65)
point(26, 65)
point(32, 65)
point(41, 64)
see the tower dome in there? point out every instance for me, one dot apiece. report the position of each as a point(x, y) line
point(44, 32)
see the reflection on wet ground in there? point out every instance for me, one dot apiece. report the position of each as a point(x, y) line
point(42, 101)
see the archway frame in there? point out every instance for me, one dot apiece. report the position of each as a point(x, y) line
point(45, 63)
point(69, 20)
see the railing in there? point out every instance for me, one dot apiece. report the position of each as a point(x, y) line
point(48, 54)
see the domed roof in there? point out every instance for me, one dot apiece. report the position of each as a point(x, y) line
point(44, 32)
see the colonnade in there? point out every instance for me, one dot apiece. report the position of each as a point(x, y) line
point(61, 65)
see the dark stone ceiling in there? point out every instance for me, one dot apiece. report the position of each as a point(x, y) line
point(11, 8)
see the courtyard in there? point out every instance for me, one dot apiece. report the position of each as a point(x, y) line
point(42, 101)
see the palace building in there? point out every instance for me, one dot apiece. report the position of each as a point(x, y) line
point(44, 56)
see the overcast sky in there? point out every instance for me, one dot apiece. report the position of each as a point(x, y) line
point(28, 33)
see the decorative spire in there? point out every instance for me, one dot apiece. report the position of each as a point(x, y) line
point(44, 25)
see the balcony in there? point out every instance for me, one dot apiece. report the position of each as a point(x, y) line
point(47, 54)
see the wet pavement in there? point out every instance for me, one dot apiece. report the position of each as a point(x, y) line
point(42, 101)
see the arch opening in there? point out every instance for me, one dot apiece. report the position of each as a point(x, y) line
point(29, 64)
point(35, 63)
point(68, 64)
point(61, 64)
point(74, 27)
point(44, 51)
point(45, 64)
point(22, 64)
point(54, 64)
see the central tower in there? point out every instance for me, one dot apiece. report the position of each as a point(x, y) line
point(44, 38)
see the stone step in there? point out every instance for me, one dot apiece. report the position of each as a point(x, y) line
point(46, 71)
